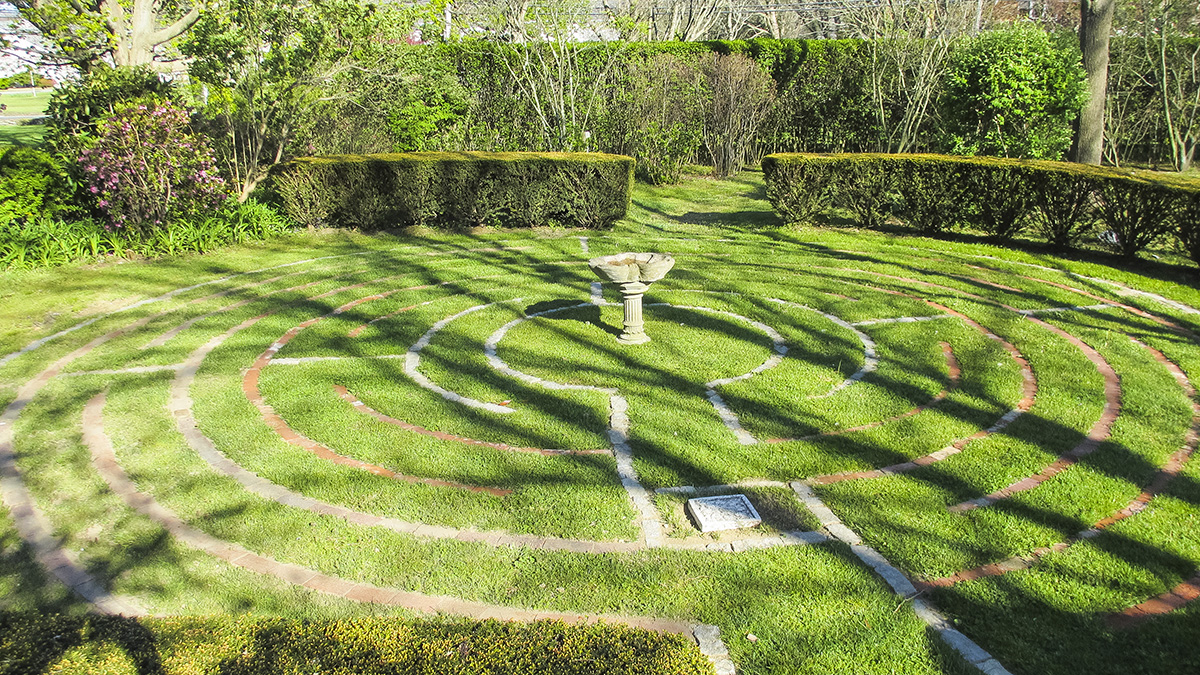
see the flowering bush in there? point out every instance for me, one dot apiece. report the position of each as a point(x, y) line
point(147, 168)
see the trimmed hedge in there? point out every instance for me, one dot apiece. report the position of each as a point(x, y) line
point(112, 645)
point(934, 193)
point(456, 189)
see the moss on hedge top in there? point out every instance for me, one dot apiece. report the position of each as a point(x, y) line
point(468, 156)
point(1173, 180)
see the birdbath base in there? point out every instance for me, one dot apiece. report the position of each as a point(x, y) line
point(633, 339)
point(633, 273)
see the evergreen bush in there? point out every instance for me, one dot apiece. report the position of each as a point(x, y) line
point(464, 189)
point(1001, 196)
point(32, 185)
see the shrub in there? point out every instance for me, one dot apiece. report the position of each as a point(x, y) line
point(933, 194)
point(76, 108)
point(741, 96)
point(865, 187)
point(32, 184)
point(1136, 212)
point(826, 105)
point(108, 645)
point(1062, 200)
point(1187, 223)
point(1012, 93)
point(146, 167)
point(998, 195)
point(800, 189)
point(465, 189)
point(1007, 191)
point(658, 116)
point(47, 242)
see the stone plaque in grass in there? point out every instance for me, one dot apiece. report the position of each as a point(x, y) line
point(727, 512)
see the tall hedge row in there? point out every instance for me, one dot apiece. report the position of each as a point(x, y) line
point(825, 94)
point(1127, 209)
point(456, 189)
point(32, 644)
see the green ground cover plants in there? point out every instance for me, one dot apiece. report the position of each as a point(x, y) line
point(433, 421)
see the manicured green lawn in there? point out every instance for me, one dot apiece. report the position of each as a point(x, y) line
point(21, 134)
point(24, 101)
point(381, 366)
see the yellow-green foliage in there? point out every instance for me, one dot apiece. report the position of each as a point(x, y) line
point(457, 189)
point(108, 645)
point(934, 193)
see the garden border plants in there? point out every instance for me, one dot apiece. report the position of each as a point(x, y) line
point(1001, 196)
point(457, 189)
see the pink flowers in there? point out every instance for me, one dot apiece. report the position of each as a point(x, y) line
point(147, 167)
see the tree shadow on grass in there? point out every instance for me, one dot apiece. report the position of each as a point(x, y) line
point(37, 641)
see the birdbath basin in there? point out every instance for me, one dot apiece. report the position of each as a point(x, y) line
point(632, 273)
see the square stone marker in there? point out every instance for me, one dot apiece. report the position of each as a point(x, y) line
point(727, 512)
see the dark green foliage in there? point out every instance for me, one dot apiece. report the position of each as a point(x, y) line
point(933, 193)
point(1187, 223)
point(32, 185)
point(457, 189)
point(1000, 196)
point(865, 187)
point(76, 108)
point(825, 105)
point(1009, 192)
point(1012, 93)
point(1062, 200)
point(1136, 212)
point(800, 190)
point(34, 644)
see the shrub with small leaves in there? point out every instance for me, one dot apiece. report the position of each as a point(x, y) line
point(32, 184)
point(147, 168)
point(76, 108)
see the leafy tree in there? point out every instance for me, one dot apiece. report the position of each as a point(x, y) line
point(263, 63)
point(1012, 93)
point(86, 32)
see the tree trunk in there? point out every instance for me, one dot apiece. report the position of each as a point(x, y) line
point(137, 33)
point(1095, 25)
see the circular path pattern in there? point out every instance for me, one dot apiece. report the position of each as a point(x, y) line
point(955, 430)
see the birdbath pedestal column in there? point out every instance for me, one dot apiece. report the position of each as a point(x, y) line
point(633, 273)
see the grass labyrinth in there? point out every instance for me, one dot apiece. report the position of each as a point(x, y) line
point(452, 425)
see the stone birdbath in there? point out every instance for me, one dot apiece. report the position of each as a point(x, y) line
point(632, 273)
